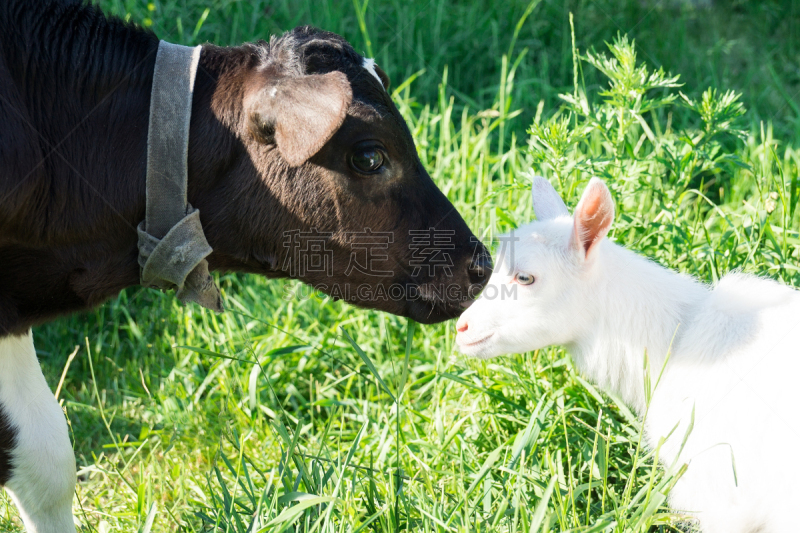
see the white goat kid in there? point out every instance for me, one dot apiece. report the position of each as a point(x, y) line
point(734, 352)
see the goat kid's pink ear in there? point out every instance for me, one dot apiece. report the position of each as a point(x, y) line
point(593, 217)
point(299, 114)
point(547, 204)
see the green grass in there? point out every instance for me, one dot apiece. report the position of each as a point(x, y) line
point(309, 415)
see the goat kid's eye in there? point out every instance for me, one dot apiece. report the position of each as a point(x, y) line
point(367, 161)
point(524, 278)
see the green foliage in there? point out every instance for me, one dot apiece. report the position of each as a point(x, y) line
point(298, 413)
point(671, 185)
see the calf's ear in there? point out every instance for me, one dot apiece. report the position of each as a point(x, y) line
point(593, 217)
point(299, 114)
point(385, 80)
point(547, 204)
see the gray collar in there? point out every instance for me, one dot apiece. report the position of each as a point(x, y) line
point(172, 246)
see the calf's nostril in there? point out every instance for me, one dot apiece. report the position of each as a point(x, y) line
point(480, 268)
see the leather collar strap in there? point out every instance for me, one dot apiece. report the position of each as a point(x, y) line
point(172, 246)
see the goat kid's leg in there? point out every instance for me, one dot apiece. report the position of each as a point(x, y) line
point(37, 465)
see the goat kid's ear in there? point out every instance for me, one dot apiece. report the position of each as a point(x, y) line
point(299, 114)
point(547, 204)
point(593, 217)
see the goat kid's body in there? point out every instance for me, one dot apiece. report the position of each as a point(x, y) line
point(723, 360)
point(734, 353)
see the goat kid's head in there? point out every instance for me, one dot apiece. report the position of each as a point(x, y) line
point(539, 288)
point(333, 192)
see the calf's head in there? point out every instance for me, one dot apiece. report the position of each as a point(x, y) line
point(538, 292)
point(327, 186)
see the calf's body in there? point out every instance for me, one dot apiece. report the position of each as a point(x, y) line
point(74, 104)
point(295, 148)
point(734, 354)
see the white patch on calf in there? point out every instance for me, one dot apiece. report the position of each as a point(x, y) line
point(42, 481)
point(369, 66)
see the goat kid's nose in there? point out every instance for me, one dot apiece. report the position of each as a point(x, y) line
point(480, 268)
point(462, 325)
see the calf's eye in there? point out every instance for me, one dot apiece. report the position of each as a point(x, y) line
point(524, 278)
point(367, 161)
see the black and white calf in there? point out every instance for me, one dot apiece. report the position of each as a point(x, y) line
point(297, 134)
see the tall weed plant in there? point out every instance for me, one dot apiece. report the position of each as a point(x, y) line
point(705, 200)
